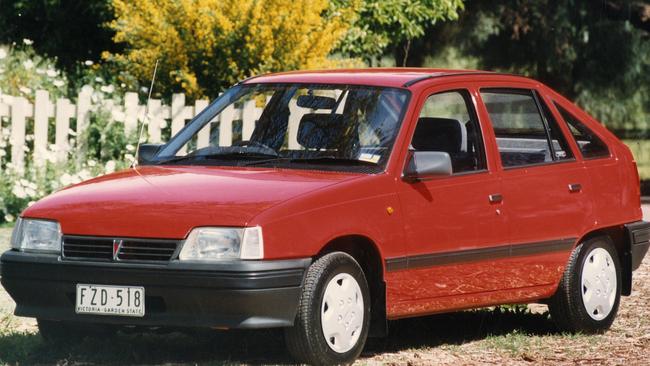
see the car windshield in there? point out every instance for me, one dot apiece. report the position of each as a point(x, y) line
point(303, 126)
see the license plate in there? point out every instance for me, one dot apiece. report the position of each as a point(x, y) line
point(110, 300)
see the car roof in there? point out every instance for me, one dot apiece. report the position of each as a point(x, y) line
point(390, 77)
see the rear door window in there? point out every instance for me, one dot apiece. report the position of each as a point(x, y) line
point(590, 145)
point(526, 132)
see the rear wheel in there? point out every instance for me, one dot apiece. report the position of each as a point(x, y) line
point(589, 293)
point(64, 332)
point(333, 316)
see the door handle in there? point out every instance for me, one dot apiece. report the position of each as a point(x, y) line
point(575, 187)
point(495, 198)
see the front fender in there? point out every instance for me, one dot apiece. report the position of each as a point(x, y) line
point(302, 226)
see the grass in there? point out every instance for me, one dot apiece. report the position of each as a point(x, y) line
point(453, 330)
point(508, 330)
point(198, 348)
point(15, 346)
point(515, 343)
point(520, 343)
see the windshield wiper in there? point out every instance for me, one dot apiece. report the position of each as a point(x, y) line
point(314, 160)
point(225, 156)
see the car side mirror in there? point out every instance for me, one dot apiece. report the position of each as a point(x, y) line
point(146, 152)
point(428, 164)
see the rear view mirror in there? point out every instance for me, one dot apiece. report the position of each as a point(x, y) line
point(428, 164)
point(316, 102)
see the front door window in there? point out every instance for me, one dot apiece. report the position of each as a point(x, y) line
point(447, 123)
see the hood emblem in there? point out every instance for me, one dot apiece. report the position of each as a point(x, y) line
point(117, 245)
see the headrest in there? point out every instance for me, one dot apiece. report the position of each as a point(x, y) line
point(316, 102)
point(438, 134)
point(320, 130)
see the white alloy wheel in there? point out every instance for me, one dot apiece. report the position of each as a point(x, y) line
point(598, 283)
point(342, 313)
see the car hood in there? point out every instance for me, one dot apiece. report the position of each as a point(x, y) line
point(167, 202)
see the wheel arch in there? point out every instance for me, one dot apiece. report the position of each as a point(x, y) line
point(365, 251)
point(619, 236)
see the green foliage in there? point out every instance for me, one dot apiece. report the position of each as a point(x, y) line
point(71, 31)
point(596, 59)
point(453, 58)
point(384, 24)
point(106, 139)
point(641, 151)
point(563, 42)
point(107, 147)
point(23, 71)
point(205, 46)
point(600, 61)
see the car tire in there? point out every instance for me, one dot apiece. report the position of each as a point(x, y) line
point(335, 295)
point(66, 332)
point(586, 300)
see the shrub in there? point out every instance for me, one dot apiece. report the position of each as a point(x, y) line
point(22, 72)
point(205, 46)
point(106, 146)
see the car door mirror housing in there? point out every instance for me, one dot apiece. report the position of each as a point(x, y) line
point(146, 153)
point(428, 164)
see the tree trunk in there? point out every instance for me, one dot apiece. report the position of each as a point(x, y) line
point(413, 53)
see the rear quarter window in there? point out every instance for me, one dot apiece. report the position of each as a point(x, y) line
point(591, 146)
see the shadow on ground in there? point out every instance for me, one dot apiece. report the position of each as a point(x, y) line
point(459, 328)
point(213, 347)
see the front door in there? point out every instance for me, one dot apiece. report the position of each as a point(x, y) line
point(454, 225)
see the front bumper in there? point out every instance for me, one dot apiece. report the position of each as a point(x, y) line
point(242, 294)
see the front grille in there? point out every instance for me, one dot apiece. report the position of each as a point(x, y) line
point(85, 247)
point(154, 250)
point(101, 248)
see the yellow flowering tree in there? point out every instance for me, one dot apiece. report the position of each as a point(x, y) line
point(206, 45)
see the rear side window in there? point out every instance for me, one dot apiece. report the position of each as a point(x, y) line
point(448, 123)
point(590, 145)
point(525, 134)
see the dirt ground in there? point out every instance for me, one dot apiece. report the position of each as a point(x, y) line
point(496, 336)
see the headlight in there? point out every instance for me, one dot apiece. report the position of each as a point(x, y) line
point(216, 243)
point(32, 235)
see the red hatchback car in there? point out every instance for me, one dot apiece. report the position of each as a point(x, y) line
point(328, 203)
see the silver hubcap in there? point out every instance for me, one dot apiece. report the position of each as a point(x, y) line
point(342, 313)
point(598, 284)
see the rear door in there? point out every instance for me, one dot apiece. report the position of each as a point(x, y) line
point(545, 187)
point(608, 179)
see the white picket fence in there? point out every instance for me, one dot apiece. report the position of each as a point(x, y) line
point(21, 112)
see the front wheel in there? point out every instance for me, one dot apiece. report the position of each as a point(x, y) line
point(333, 316)
point(589, 293)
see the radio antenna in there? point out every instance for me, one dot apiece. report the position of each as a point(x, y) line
point(146, 113)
